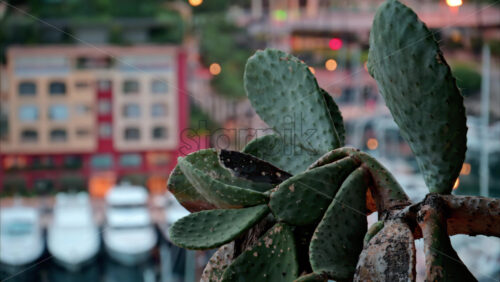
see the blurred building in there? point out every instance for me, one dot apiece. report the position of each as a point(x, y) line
point(78, 117)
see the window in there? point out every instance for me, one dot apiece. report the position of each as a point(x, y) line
point(158, 159)
point(159, 132)
point(82, 110)
point(58, 135)
point(28, 113)
point(101, 161)
point(104, 107)
point(58, 112)
point(73, 161)
point(130, 86)
point(29, 135)
point(104, 85)
point(131, 111)
point(132, 133)
point(82, 85)
point(57, 88)
point(158, 110)
point(130, 160)
point(159, 86)
point(27, 89)
point(82, 133)
point(13, 162)
point(105, 130)
point(40, 162)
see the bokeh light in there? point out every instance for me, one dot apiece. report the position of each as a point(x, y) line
point(372, 144)
point(280, 15)
point(195, 3)
point(335, 43)
point(331, 64)
point(454, 3)
point(215, 69)
point(312, 70)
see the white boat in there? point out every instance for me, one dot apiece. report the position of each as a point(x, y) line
point(73, 237)
point(21, 239)
point(129, 234)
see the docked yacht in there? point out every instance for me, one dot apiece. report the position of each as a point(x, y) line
point(73, 237)
point(21, 238)
point(129, 234)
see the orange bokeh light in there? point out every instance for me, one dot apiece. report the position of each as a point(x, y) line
point(331, 64)
point(195, 3)
point(457, 183)
point(372, 144)
point(454, 3)
point(312, 70)
point(215, 69)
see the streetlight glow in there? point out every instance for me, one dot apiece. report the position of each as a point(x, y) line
point(372, 144)
point(331, 64)
point(454, 3)
point(215, 69)
point(195, 3)
point(335, 43)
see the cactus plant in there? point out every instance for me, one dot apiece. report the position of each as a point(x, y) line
point(298, 213)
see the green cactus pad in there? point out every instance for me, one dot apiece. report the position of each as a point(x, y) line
point(303, 198)
point(218, 263)
point(420, 91)
point(213, 228)
point(217, 192)
point(208, 161)
point(334, 155)
point(373, 230)
point(312, 277)
point(252, 168)
point(336, 116)
point(271, 258)
point(286, 96)
point(275, 150)
point(185, 193)
point(338, 240)
point(386, 189)
point(389, 256)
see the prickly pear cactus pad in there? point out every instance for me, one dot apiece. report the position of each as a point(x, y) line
point(278, 151)
point(252, 168)
point(312, 277)
point(420, 91)
point(208, 161)
point(213, 228)
point(386, 188)
point(335, 115)
point(338, 239)
point(303, 198)
point(272, 258)
point(219, 193)
point(218, 263)
point(185, 193)
point(286, 96)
